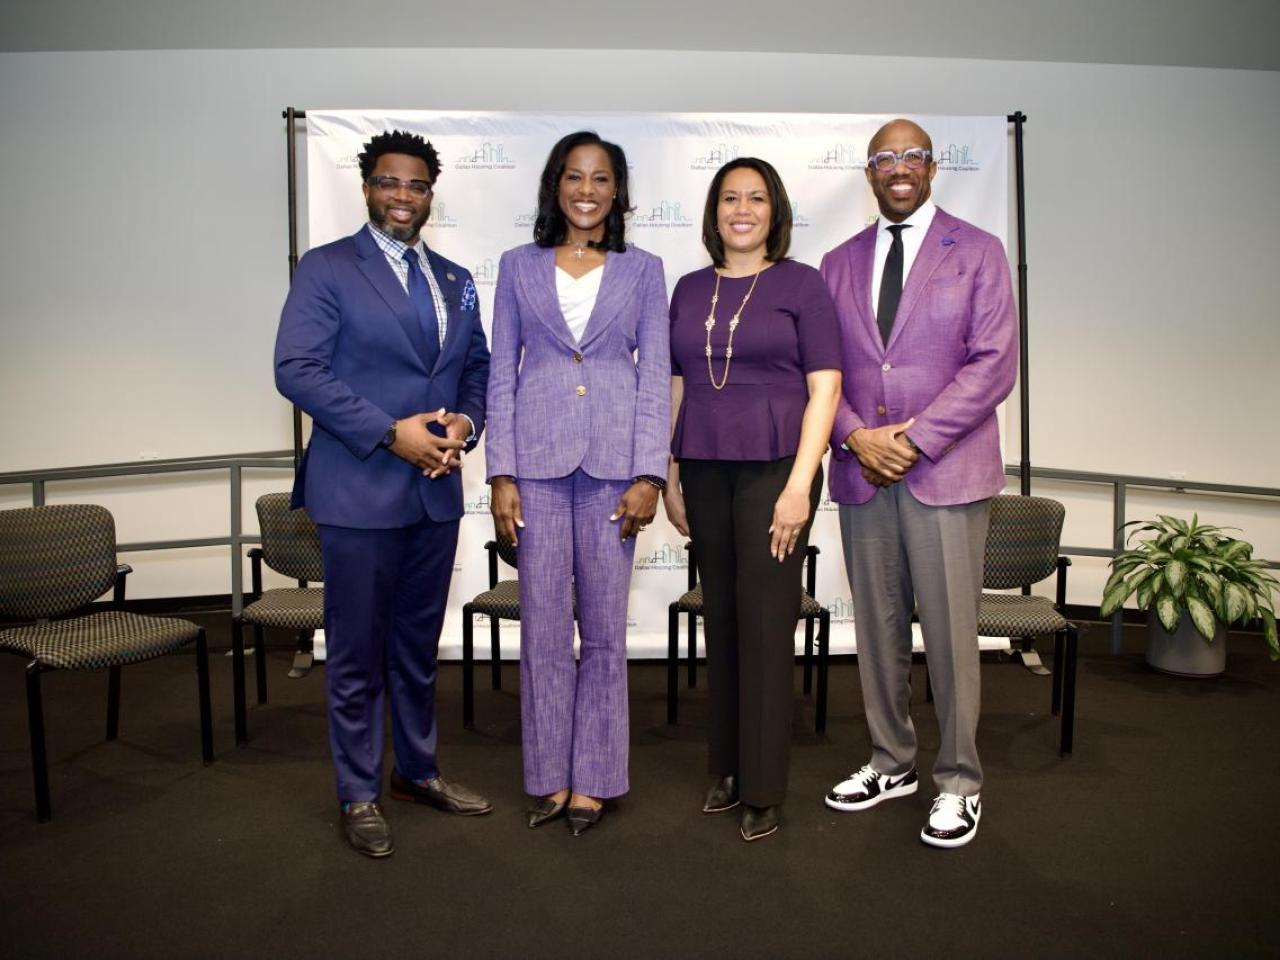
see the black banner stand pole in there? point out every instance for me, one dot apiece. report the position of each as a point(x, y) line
point(1024, 393)
point(291, 148)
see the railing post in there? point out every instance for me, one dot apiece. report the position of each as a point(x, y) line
point(1117, 527)
point(237, 551)
point(37, 493)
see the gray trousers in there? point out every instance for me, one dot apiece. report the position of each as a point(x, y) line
point(902, 555)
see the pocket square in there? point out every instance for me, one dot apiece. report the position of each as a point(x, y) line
point(469, 295)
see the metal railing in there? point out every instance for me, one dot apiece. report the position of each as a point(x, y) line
point(235, 464)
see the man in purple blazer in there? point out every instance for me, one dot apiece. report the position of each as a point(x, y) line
point(380, 342)
point(916, 458)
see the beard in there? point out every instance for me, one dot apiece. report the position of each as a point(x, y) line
point(404, 232)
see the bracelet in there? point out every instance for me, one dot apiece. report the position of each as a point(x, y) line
point(651, 480)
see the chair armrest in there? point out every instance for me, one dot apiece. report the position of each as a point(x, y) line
point(811, 571)
point(117, 594)
point(255, 569)
point(1063, 563)
point(492, 548)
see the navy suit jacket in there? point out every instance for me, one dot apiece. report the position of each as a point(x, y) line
point(350, 352)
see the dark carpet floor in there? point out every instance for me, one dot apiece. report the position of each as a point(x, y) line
point(1157, 838)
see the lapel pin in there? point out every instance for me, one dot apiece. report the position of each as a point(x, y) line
point(450, 277)
point(948, 241)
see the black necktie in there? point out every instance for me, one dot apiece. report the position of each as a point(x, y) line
point(420, 294)
point(891, 284)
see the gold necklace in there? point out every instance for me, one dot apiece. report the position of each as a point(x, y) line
point(733, 325)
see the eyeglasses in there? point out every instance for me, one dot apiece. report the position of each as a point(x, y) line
point(419, 188)
point(886, 160)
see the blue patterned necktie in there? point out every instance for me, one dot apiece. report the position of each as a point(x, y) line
point(424, 303)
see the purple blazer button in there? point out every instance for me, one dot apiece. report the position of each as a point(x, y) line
point(581, 391)
point(577, 358)
point(886, 367)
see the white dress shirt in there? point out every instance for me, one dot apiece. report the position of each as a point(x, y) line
point(912, 240)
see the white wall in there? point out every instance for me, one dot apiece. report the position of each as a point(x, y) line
point(143, 262)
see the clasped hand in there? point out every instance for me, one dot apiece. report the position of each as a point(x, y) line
point(433, 454)
point(883, 452)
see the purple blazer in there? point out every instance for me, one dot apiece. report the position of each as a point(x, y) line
point(951, 359)
point(555, 405)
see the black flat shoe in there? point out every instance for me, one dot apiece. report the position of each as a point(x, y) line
point(758, 822)
point(722, 796)
point(544, 809)
point(583, 818)
point(365, 829)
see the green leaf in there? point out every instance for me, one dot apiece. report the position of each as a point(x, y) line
point(1202, 617)
point(1269, 631)
point(1167, 611)
point(1237, 603)
point(1236, 550)
point(1113, 599)
point(1175, 574)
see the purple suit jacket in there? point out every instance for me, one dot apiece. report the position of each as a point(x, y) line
point(555, 405)
point(951, 359)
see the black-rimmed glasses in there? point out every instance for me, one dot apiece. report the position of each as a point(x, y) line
point(419, 188)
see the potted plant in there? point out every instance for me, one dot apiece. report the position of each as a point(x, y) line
point(1194, 569)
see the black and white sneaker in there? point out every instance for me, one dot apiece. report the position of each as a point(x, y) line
point(953, 820)
point(866, 788)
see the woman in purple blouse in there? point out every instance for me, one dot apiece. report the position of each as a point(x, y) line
point(755, 362)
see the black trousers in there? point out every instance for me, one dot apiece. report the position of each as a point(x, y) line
point(751, 603)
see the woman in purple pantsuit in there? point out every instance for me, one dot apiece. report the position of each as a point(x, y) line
point(579, 413)
point(756, 364)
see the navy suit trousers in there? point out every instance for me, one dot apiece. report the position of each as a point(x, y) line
point(384, 599)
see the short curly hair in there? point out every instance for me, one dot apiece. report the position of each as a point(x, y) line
point(399, 141)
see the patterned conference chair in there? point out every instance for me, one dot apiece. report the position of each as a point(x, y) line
point(290, 546)
point(811, 612)
point(53, 561)
point(1022, 550)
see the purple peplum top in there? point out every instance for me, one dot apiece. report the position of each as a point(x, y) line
point(788, 329)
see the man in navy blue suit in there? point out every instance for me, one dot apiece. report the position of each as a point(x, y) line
point(380, 343)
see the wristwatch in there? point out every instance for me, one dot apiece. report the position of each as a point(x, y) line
point(389, 438)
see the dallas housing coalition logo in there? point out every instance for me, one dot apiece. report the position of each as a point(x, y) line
point(526, 220)
point(485, 274)
point(668, 556)
point(664, 213)
point(485, 155)
point(715, 156)
point(478, 506)
point(798, 219)
point(440, 218)
point(839, 156)
point(827, 505)
point(956, 157)
point(841, 609)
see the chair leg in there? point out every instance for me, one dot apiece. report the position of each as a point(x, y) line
point(1069, 692)
point(206, 712)
point(39, 759)
point(1058, 644)
point(824, 644)
point(260, 655)
point(673, 661)
point(693, 650)
point(303, 655)
point(495, 655)
point(113, 703)
point(468, 681)
point(808, 655)
point(237, 681)
point(928, 683)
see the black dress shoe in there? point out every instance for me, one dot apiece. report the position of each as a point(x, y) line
point(758, 822)
point(722, 796)
point(441, 794)
point(544, 809)
point(583, 818)
point(366, 830)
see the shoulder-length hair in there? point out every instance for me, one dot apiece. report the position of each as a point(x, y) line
point(550, 228)
point(779, 240)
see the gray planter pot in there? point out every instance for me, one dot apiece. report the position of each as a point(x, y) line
point(1184, 653)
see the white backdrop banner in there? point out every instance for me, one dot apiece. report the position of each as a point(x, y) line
point(485, 203)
